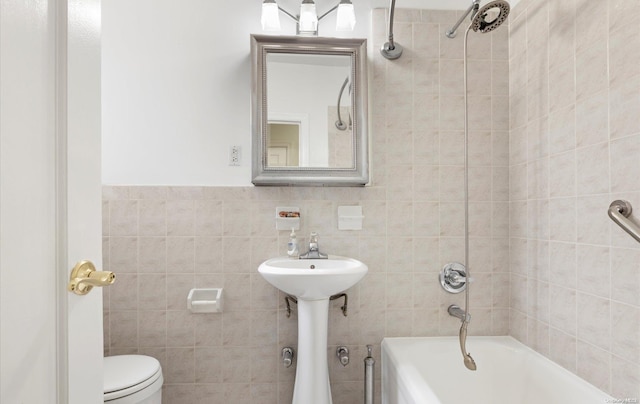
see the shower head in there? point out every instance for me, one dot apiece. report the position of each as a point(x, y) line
point(491, 16)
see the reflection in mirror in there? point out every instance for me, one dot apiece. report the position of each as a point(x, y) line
point(283, 146)
point(309, 104)
point(310, 87)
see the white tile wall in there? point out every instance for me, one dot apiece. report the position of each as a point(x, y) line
point(581, 149)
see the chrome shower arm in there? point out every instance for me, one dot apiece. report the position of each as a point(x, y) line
point(475, 5)
point(339, 124)
point(390, 49)
point(392, 9)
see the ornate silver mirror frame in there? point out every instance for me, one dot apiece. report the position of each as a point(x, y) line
point(263, 174)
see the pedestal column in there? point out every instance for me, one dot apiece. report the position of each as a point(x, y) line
point(312, 372)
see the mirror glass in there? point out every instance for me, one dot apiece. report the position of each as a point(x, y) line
point(304, 126)
point(309, 111)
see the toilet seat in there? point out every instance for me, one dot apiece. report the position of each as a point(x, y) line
point(125, 375)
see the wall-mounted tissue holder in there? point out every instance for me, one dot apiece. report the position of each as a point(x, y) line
point(287, 218)
point(350, 217)
point(205, 300)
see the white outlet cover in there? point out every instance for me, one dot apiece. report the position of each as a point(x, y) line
point(235, 155)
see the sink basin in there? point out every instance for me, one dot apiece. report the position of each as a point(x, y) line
point(312, 279)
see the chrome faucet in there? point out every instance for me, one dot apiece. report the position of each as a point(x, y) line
point(314, 251)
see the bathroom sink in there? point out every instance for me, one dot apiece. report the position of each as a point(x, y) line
point(312, 282)
point(313, 279)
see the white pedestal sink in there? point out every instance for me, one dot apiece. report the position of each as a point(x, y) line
point(312, 282)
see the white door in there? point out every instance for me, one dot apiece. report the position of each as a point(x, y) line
point(50, 203)
point(84, 198)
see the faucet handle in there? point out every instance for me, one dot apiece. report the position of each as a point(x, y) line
point(313, 237)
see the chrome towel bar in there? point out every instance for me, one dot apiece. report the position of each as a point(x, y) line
point(619, 212)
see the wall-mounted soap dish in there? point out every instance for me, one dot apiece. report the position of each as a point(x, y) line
point(287, 218)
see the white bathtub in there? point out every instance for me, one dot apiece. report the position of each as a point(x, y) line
point(431, 371)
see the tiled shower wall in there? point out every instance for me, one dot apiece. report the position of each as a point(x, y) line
point(163, 241)
point(575, 147)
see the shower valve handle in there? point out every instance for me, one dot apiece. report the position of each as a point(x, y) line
point(453, 277)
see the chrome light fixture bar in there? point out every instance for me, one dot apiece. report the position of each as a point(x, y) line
point(307, 20)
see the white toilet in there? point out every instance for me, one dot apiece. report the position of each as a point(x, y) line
point(132, 379)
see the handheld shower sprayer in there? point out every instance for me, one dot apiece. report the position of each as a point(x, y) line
point(465, 318)
point(468, 360)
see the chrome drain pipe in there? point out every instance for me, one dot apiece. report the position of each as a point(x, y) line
point(369, 370)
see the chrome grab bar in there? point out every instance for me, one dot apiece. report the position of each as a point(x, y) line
point(619, 212)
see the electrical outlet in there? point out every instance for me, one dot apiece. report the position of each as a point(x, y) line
point(234, 156)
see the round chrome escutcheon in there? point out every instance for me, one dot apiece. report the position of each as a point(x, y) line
point(453, 277)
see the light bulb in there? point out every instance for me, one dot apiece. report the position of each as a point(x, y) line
point(308, 17)
point(346, 18)
point(270, 18)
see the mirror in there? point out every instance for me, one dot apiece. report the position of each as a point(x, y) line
point(309, 111)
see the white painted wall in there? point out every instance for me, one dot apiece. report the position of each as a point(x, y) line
point(176, 84)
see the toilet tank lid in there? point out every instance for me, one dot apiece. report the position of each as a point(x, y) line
point(124, 371)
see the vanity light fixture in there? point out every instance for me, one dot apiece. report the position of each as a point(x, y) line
point(346, 17)
point(307, 20)
point(270, 19)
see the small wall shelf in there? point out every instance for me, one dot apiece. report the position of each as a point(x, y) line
point(287, 218)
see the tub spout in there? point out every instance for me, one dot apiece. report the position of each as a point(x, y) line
point(457, 312)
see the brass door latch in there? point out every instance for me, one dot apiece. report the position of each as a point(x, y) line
point(84, 277)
